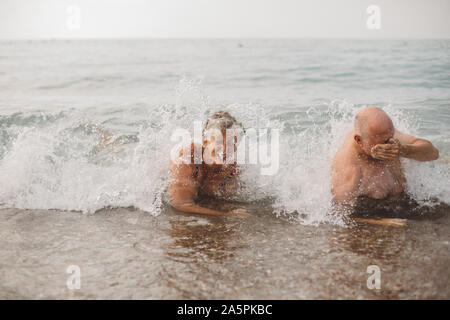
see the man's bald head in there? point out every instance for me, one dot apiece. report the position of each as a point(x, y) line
point(372, 126)
point(373, 121)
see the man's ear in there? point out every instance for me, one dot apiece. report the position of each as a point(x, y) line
point(357, 138)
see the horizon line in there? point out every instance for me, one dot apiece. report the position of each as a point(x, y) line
point(213, 38)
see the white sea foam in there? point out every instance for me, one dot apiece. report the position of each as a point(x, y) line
point(64, 161)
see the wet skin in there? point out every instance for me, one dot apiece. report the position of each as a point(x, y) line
point(368, 163)
point(191, 182)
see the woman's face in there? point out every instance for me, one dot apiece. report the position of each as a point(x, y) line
point(215, 144)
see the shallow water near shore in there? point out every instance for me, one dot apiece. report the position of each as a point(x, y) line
point(85, 130)
point(127, 253)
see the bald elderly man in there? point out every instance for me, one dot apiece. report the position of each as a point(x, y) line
point(368, 163)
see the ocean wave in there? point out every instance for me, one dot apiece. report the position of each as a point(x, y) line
point(71, 161)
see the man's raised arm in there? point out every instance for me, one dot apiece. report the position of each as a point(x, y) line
point(416, 148)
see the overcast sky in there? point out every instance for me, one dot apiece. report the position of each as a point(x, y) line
point(29, 19)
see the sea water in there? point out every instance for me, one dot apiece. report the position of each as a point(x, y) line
point(86, 125)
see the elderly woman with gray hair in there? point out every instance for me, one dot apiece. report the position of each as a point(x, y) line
point(207, 171)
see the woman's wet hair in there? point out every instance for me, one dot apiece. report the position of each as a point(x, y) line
point(222, 120)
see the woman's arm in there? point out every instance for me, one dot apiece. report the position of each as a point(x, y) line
point(183, 190)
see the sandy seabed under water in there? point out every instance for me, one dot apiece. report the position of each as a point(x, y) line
point(126, 253)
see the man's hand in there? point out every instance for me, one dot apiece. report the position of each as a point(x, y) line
point(386, 152)
point(387, 222)
point(239, 213)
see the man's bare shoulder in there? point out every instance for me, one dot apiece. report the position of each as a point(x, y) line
point(345, 155)
point(345, 166)
point(346, 171)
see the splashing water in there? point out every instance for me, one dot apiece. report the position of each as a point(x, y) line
point(305, 184)
point(68, 161)
point(108, 144)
